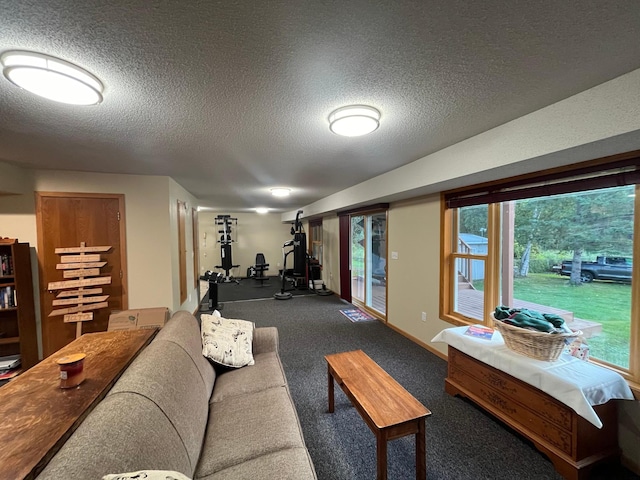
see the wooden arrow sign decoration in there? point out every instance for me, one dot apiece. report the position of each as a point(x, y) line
point(82, 264)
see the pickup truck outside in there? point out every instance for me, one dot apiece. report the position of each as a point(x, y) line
point(604, 268)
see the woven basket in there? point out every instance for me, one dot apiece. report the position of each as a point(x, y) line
point(538, 345)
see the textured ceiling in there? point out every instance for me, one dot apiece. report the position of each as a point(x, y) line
point(231, 98)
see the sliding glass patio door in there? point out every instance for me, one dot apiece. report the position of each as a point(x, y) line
point(369, 261)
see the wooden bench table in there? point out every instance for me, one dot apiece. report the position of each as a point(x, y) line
point(387, 408)
point(38, 416)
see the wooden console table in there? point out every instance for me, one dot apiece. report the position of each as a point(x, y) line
point(387, 408)
point(38, 416)
point(572, 443)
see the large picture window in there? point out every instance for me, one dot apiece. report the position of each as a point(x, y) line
point(569, 252)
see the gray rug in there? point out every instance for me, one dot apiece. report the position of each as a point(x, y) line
point(463, 442)
point(251, 289)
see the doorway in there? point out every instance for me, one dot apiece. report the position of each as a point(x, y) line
point(66, 220)
point(363, 258)
point(369, 261)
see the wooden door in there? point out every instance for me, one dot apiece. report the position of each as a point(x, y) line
point(66, 220)
point(182, 249)
point(196, 249)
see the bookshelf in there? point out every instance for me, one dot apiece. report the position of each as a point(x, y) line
point(17, 312)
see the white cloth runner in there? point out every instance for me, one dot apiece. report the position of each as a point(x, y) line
point(576, 383)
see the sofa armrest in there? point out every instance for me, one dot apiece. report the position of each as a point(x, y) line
point(265, 339)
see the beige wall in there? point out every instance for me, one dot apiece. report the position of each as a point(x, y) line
point(413, 279)
point(14, 179)
point(255, 233)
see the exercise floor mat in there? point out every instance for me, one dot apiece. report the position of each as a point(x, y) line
point(357, 315)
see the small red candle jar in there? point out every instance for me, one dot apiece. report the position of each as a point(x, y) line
point(71, 370)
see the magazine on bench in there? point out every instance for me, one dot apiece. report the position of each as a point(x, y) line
point(479, 331)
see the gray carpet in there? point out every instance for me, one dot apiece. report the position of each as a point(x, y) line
point(463, 442)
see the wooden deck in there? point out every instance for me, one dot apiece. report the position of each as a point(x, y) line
point(378, 294)
point(470, 304)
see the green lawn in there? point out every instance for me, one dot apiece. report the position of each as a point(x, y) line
point(607, 303)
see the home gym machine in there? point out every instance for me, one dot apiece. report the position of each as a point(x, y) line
point(299, 258)
point(226, 222)
point(304, 269)
point(283, 294)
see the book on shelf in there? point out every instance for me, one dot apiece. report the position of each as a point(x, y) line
point(8, 298)
point(6, 265)
point(9, 374)
point(479, 331)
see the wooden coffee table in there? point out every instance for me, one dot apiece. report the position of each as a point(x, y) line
point(387, 408)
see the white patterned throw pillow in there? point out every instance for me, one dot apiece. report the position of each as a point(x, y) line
point(147, 475)
point(227, 341)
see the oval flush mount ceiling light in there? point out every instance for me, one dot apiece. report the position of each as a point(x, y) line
point(262, 210)
point(354, 120)
point(51, 78)
point(280, 192)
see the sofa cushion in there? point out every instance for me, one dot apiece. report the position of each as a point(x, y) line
point(265, 339)
point(266, 373)
point(124, 433)
point(227, 342)
point(167, 376)
point(287, 464)
point(184, 329)
point(244, 427)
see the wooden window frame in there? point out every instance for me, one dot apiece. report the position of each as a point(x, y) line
point(628, 166)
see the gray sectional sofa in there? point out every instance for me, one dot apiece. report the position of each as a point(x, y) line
point(170, 410)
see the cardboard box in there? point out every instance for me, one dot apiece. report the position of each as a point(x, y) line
point(139, 318)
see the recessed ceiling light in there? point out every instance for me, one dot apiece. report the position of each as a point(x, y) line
point(280, 192)
point(51, 78)
point(262, 210)
point(354, 120)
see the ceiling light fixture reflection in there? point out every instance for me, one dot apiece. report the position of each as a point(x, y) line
point(51, 78)
point(262, 210)
point(354, 120)
point(280, 192)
